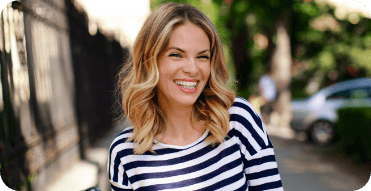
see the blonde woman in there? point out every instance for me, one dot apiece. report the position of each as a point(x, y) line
point(189, 131)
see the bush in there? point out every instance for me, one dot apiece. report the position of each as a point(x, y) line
point(354, 131)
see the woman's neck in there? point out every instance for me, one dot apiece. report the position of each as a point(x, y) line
point(180, 130)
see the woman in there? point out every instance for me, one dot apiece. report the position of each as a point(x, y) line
point(189, 132)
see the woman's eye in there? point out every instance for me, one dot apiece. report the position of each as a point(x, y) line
point(204, 57)
point(175, 55)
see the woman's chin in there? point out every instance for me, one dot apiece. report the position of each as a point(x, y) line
point(186, 100)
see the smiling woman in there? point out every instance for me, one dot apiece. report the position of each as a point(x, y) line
point(189, 131)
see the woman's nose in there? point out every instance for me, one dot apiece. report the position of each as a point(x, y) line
point(191, 67)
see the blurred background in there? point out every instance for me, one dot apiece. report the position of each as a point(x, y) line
point(59, 60)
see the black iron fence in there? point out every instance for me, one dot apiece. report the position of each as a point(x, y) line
point(56, 89)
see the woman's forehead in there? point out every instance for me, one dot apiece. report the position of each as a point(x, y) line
point(189, 35)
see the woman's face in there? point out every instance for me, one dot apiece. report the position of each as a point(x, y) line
point(184, 67)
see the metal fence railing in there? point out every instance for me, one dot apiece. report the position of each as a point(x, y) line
point(55, 89)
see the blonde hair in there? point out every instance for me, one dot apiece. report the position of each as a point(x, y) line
point(138, 78)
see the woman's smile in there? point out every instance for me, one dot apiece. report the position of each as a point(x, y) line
point(188, 86)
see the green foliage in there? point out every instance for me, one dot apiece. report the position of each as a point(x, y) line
point(245, 93)
point(326, 58)
point(311, 36)
point(354, 134)
point(367, 41)
point(328, 44)
point(230, 68)
point(361, 58)
point(309, 9)
point(240, 7)
point(274, 3)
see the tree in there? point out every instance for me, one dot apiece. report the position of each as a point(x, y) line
point(247, 21)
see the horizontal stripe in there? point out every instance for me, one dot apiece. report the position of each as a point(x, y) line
point(222, 175)
point(184, 158)
point(226, 155)
point(224, 182)
point(188, 182)
point(239, 185)
point(267, 186)
point(175, 166)
point(262, 174)
point(196, 173)
point(262, 160)
point(261, 167)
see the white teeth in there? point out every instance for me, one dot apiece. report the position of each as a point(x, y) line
point(187, 85)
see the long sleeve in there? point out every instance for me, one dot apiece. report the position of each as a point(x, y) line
point(259, 161)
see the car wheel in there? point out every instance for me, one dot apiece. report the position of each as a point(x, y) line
point(322, 132)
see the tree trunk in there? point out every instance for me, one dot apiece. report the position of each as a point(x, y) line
point(243, 66)
point(281, 73)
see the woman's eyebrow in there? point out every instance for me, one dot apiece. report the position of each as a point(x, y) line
point(176, 48)
point(207, 50)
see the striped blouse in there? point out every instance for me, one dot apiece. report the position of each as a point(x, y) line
point(244, 161)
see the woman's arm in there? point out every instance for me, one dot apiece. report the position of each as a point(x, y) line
point(261, 170)
point(258, 157)
point(116, 172)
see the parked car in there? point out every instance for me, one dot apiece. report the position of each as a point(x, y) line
point(317, 114)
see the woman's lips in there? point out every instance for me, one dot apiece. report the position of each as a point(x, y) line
point(187, 90)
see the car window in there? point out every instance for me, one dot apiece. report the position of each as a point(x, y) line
point(355, 93)
point(345, 94)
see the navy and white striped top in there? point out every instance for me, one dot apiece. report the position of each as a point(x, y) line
point(245, 161)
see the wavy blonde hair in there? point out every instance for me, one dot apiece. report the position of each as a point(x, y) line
point(138, 78)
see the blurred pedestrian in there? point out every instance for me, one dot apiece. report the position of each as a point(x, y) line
point(189, 131)
point(267, 94)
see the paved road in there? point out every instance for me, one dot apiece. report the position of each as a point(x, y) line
point(304, 168)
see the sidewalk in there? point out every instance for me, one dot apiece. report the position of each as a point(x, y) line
point(90, 172)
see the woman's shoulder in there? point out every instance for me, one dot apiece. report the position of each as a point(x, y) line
point(240, 106)
point(242, 111)
point(119, 143)
point(246, 124)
